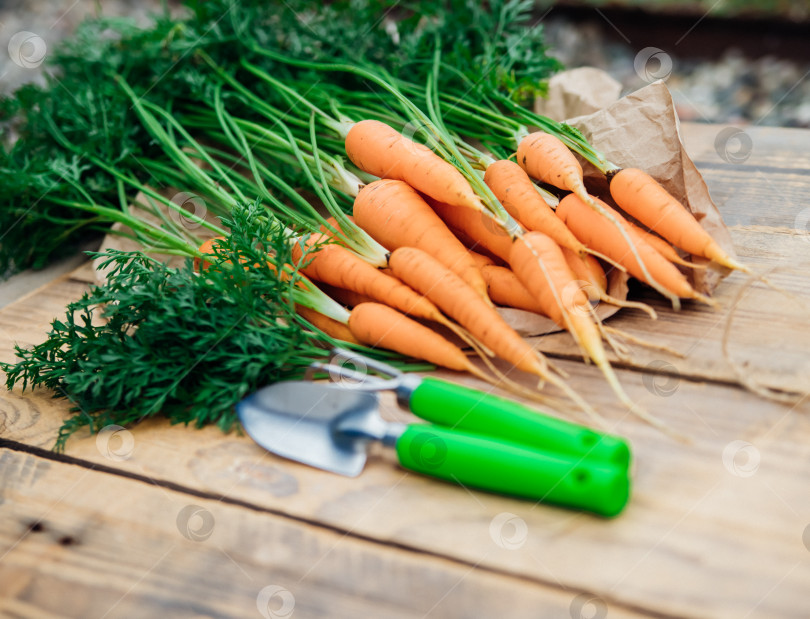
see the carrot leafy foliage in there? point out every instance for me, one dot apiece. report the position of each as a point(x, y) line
point(485, 47)
point(172, 341)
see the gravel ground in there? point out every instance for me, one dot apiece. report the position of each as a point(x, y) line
point(29, 28)
point(730, 89)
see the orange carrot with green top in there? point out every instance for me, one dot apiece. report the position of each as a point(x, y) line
point(378, 149)
point(639, 194)
point(337, 266)
point(564, 301)
point(331, 327)
point(518, 195)
point(480, 228)
point(375, 324)
point(460, 302)
point(395, 215)
point(546, 158)
point(593, 230)
point(349, 298)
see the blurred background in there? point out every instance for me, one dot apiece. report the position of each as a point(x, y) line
point(725, 61)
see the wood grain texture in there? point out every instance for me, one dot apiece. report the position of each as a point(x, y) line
point(697, 539)
point(715, 528)
point(81, 543)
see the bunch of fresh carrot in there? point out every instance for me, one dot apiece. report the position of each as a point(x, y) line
point(452, 260)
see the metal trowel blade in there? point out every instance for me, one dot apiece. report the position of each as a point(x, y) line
point(297, 420)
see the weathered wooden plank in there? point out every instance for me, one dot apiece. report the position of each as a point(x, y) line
point(768, 333)
point(748, 147)
point(758, 178)
point(708, 533)
point(27, 320)
point(700, 537)
point(81, 543)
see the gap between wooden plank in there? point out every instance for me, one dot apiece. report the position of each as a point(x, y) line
point(415, 550)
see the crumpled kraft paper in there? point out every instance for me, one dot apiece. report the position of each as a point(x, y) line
point(642, 130)
point(578, 92)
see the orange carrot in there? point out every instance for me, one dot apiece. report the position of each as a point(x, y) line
point(479, 227)
point(507, 290)
point(456, 299)
point(592, 229)
point(331, 327)
point(640, 195)
point(375, 324)
point(565, 302)
point(588, 270)
point(518, 195)
point(378, 149)
point(396, 216)
point(538, 262)
point(663, 248)
point(345, 297)
point(207, 247)
point(480, 259)
point(478, 251)
point(335, 265)
point(546, 158)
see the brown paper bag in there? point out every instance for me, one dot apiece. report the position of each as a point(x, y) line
point(641, 130)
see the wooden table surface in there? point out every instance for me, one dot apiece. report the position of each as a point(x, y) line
point(159, 521)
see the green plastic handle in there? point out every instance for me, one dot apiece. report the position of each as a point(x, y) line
point(506, 468)
point(454, 406)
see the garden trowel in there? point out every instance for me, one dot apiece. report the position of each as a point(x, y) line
point(330, 427)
